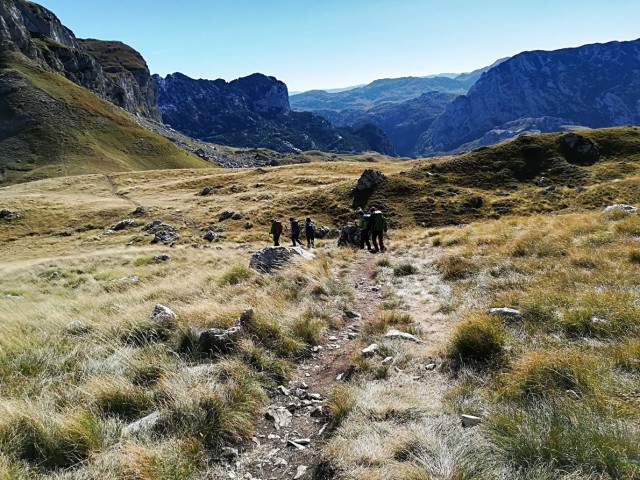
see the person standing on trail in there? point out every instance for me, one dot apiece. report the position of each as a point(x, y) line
point(295, 231)
point(310, 233)
point(364, 225)
point(276, 231)
point(378, 226)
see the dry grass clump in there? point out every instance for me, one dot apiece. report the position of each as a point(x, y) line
point(551, 373)
point(117, 396)
point(385, 320)
point(234, 275)
point(456, 267)
point(404, 269)
point(478, 340)
point(47, 439)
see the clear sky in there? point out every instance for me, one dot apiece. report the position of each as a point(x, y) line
point(312, 44)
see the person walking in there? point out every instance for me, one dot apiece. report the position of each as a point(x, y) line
point(364, 224)
point(310, 233)
point(276, 231)
point(378, 226)
point(295, 231)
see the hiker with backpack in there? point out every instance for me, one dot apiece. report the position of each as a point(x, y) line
point(276, 231)
point(378, 226)
point(295, 231)
point(310, 233)
point(364, 220)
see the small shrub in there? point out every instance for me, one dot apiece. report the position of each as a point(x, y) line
point(404, 269)
point(456, 268)
point(480, 339)
point(234, 275)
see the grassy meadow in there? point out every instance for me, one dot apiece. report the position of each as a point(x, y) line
point(556, 387)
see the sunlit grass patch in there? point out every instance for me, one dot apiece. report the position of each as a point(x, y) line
point(478, 340)
point(455, 267)
point(234, 275)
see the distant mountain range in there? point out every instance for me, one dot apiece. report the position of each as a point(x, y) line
point(402, 107)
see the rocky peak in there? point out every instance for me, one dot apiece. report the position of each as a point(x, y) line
point(111, 70)
point(266, 94)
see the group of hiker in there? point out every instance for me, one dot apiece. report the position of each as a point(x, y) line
point(372, 226)
point(294, 229)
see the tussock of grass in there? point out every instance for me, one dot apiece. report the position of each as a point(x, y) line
point(116, 396)
point(234, 275)
point(567, 437)
point(341, 402)
point(385, 320)
point(480, 339)
point(456, 268)
point(404, 269)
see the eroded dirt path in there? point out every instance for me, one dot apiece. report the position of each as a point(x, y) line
point(301, 407)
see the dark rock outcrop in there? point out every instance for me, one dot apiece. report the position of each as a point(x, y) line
point(578, 149)
point(112, 70)
point(274, 258)
point(254, 112)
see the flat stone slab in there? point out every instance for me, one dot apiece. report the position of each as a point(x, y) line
point(274, 258)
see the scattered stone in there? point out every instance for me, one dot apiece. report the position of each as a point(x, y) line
point(292, 407)
point(573, 393)
point(230, 453)
point(163, 232)
point(248, 225)
point(218, 340)
point(209, 236)
point(506, 313)
point(349, 236)
point(300, 393)
point(10, 296)
point(302, 441)
point(387, 360)
point(123, 224)
point(370, 351)
point(580, 189)
point(550, 188)
point(314, 396)
point(623, 207)
point(370, 179)
point(142, 425)
point(542, 182)
point(8, 214)
point(473, 202)
point(236, 216)
point(599, 320)
point(352, 314)
point(161, 258)
point(333, 338)
point(162, 314)
point(273, 258)
point(303, 385)
point(300, 471)
point(77, 327)
point(225, 215)
point(431, 366)
point(280, 462)
point(294, 444)
point(280, 416)
point(206, 190)
point(140, 210)
point(578, 149)
point(284, 390)
point(132, 279)
point(319, 412)
point(470, 420)
point(393, 333)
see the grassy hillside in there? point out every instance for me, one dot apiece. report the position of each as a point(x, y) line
point(556, 388)
point(51, 127)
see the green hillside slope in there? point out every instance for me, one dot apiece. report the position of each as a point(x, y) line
point(51, 127)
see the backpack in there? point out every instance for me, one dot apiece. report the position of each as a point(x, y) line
point(364, 222)
point(295, 227)
point(279, 228)
point(378, 221)
point(310, 227)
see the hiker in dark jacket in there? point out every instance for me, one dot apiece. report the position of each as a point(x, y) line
point(295, 231)
point(378, 226)
point(276, 231)
point(364, 221)
point(310, 233)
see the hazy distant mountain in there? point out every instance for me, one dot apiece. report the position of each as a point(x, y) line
point(594, 85)
point(254, 111)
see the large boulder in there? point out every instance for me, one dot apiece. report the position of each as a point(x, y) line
point(578, 149)
point(123, 224)
point(620, 207)
point(370, 179)
point(349, 236)
point(218, 340)
point(273, 258)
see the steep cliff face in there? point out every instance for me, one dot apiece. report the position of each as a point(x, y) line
point(594, 85)
point(102, 67)
point(254, 111)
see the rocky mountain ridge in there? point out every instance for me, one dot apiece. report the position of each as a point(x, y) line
point(254, 111)
point(112, 70)
point(594, 85)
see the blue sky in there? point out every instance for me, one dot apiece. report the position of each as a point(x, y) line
point(312, 44)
